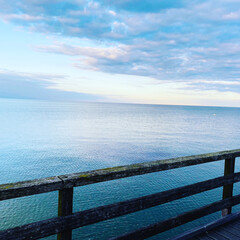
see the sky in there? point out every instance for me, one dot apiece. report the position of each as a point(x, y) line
point(180, 52)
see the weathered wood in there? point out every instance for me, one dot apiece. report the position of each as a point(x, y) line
point(228, 228)
point(101, 175)
point(215, 236)
point(55, 225)
point(65, 184)
point(231, 218)
point(98, 214)
point(236, 224)
point(205, 237)
point(65, 207)
point(26, 188)
point(165, 225)
point(228, 235)
point(228, 189)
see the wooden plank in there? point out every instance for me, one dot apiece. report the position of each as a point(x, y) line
point(231, 218)
point(219, 235)
point(65, 207)
point(26, 188)
point(228, 189)
point(216, 236)
point(236, 225)
point(165, 225)
point(205, 237)
point(55, 225)
point(229, 228)
point(101, 175)
point(226, 234)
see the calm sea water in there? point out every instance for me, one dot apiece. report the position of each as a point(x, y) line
point(42, 139)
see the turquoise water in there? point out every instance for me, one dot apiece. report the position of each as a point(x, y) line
point(42, 139)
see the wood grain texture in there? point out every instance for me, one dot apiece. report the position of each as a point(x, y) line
point(233, 219)
point(65, 207)
point(65, 183)
point(110, 211)
point(26, 188)
point(162, 226)
point(101, 175)
point(228, 189)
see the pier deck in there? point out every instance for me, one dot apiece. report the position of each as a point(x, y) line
point(226, 228)
point(227, 231)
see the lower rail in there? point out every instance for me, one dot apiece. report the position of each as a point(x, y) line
point(163, 226)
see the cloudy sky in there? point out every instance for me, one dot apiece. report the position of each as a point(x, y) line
point(160, 52)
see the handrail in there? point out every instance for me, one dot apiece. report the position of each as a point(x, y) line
point(67, 220)
point(95, 215)
point(43, 185)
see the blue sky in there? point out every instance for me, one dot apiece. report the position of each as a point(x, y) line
point(159, 52)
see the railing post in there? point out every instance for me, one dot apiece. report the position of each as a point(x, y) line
point(228, 189)
point(65, 206)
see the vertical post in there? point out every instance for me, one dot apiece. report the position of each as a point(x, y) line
point(65, 206)
point(228, 189)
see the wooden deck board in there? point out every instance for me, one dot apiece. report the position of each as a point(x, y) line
point(232, 230)
point(215, 229)
point(236, 224)
point(228, 231)
point(204, 237)
point(215, 236)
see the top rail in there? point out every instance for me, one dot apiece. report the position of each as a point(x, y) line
point(26, 188)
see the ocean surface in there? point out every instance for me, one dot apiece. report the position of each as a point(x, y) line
point(42, 139)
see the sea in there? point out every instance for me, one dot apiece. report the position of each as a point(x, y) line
point(46, 138)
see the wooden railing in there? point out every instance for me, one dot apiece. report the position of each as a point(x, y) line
point(66, 220)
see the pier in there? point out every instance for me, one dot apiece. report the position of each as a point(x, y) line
point(67, 220)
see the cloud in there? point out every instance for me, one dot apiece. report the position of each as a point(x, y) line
point(103, 19)
point(159, 60)
point(220, 86)
point(29, 86)
point(22, 17)
point(232, 16)
point(171, 40)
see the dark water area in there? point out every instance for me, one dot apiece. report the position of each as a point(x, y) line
point(42, 139)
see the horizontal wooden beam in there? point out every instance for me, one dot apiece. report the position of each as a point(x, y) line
point(101, 175)
point(173, 222)
point(87, 217)
point(26, 188)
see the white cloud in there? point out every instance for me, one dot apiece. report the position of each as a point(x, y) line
point(23, 17)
